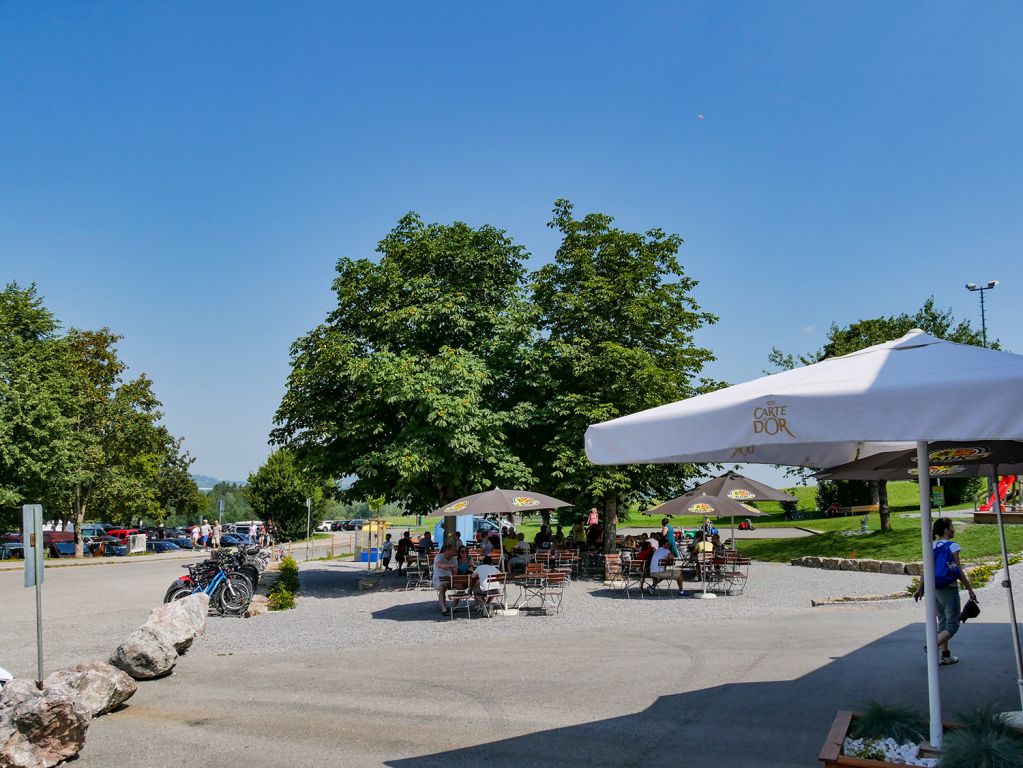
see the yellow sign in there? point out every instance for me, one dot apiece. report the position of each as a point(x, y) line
point(741, 493)
point(701, 508)
point(940, 470)
point(525, 501)
point(959, 454)
point(457, 507)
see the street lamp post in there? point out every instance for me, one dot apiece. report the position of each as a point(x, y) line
point(973, 287)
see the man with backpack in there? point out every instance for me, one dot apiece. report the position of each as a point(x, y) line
point(948, 573)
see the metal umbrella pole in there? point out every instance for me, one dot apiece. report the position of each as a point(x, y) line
point(930, 599)
point(1007, 583)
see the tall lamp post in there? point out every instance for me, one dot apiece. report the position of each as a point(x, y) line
point(981, 288)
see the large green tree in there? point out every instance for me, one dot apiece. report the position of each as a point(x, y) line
point(74, 434)
point(35, 404)
point(843, 340)
point(277, 492)
point(408, 386)
point(617, 318)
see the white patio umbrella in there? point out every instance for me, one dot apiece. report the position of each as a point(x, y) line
point(887, 397)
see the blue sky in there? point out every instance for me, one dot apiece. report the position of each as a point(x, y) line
point(188, 173)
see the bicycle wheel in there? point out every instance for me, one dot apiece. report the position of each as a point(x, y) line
point(234, 595)
point(176, 593)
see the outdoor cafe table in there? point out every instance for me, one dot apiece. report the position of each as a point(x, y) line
point(533, 587)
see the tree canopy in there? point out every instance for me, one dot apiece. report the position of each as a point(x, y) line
point(278, 491)
point(75, 435)
point(445, 369)
point(406, 384)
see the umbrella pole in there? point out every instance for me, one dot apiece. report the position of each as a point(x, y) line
point(930, 599)
point(1007, 583)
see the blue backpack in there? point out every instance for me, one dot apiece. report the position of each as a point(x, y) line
point(945, 571)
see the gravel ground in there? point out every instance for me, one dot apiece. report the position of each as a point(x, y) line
point(333, 613)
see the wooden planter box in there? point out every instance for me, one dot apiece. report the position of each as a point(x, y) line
point(831, 753)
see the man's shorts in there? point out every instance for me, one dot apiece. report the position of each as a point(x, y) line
point(672, 572)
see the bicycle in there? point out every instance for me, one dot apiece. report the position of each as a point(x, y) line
point(230, 592)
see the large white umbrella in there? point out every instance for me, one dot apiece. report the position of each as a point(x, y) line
point(887, 397)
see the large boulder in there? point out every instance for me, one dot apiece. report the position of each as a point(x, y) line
point(830, 563)
point(39, 728)
point(893, 567)
point(915, 569)
point(98, 687)
point(849, 564)
point(146, 654)
point(180, 621)
point(870, 566)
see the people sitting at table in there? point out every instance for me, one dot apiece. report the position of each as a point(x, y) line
point(661, 571)
point(444, 566)
point(559, 537)
point(509, 542)
point(578, 534)
point(402, 549)
point(543, 539)
point(717, 547)
point(644, 554)
point(522, 553)
point(483, 590)
point(426, 544)
point(463, 563)
point(595, 535)
point(488, 545)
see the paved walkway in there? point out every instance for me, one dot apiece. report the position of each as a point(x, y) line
point(354, 678)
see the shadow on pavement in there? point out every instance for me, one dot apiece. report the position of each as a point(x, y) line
point(762, 724)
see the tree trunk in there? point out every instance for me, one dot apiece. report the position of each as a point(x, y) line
point(882, 505)
point(79, 520)
point(610, 526)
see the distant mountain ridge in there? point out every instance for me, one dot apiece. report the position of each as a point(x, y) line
point(205, 482)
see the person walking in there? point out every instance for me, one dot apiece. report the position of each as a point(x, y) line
point(948, 574)
point(195, 536)
point(386, 551)
point(205, 533)
point(217, 530)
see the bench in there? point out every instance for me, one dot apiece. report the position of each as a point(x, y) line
point(862, 509)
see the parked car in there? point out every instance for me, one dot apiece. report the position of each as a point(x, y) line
point(92, 530)
point(123, 533)
point(162, 545)
point(326, 525)
point(354, 525)
point(183, 542)
point(65, 549)
point(338, 525)
point(10, 550)
point(232, 540)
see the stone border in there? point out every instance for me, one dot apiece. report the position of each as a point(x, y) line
point(894, 567)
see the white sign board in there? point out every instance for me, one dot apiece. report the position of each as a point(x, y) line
point(32, 538)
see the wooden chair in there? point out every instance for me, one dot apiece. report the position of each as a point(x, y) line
point(458, 593)
point(634, 575)
point(553, 591)
point(613, 573)
point(497, 588)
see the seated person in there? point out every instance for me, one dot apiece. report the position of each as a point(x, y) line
point(660, 571)
point(578, 534)
point(508, 542)
point(645, 553)
point(717, 547)
point(484, 592)
point(559, 538)
point(543, 539)
point(464, 564)
point(426, 544)
point(443, 569)
point(521, 554)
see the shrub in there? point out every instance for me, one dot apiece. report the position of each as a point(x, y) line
point(280, 599)
point(985, 740)
point(882, 721)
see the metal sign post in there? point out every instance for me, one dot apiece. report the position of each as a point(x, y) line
point(220, 510)
point(308, 526)
point(32, 538)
